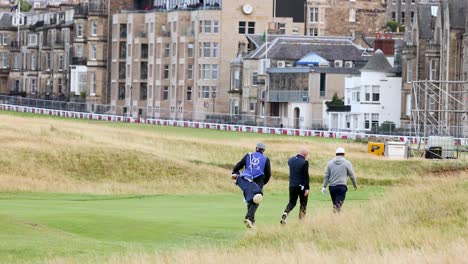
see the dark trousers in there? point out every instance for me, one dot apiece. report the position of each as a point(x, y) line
point(294, 193)
point(251, 209)
point(338, 195)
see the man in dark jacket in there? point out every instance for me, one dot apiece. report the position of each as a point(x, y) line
point(298, 184)
point(257, 173)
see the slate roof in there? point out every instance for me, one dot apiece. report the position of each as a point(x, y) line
point(296, 47)
point(425, 21)
point(330, 70)
point(378, 63)
point(5, 20)
point(457, 13)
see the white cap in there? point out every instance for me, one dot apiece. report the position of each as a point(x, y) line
point(340, 151)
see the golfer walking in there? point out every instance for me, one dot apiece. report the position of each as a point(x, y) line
point(257, 173)
point(298, 184)
point(336, 175)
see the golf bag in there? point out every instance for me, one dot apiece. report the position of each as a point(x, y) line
point(249, 188)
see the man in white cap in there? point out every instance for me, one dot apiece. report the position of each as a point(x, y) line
point(257, 171)
point(336, 175)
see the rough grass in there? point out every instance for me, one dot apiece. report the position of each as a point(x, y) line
point(57, 155)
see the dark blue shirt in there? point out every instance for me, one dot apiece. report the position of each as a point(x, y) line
point(298, 172)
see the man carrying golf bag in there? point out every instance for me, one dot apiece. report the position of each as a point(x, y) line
point(257, 173)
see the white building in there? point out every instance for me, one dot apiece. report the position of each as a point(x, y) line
point(374, 97)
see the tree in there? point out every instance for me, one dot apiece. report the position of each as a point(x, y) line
point(394, 26)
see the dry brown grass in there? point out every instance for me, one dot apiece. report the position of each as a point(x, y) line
point(53, 155)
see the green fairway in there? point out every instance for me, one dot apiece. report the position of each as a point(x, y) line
point(36, 226)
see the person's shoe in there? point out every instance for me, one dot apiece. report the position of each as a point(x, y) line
point(283, 218)
point(248, 223)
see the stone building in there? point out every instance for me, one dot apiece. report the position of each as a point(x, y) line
point(344, 17)
point(172, 61)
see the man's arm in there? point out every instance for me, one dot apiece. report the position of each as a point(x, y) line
point(240, 165)
point(326, 178)
point(351, 174)
point(267, 171)
point(306, 175)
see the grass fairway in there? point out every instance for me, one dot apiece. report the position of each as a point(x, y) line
point(40, 225)
point(83, 191)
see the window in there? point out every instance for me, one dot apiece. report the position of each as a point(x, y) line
point(412, 17)
point(174, 26)
point(32, 39)
point(165, 93)
point(33, 86)
point(49, 61)
point(151, 46)
point(190, 50)
point(79, 51)
point(314, 12)
point(251, 27)
point(93, 52)
point(150, 91)
point(348, 121)
point(375, 120)
point(206, 49)
point(174, 49)
point(367, 91)
point(150, 71)
point(241, 27)
point(352, 15)
point(409, 71)
point(252, 105)
point(215, 49)
point(173, 70)
point(144, 51)
point(79, 30)
point(189, 93)
point(214, 71)
point(213, 91)
point(313, 31)
point(366, 121)
point(190, 71)
point(129, 49)
point(205, 71)
point(375, 93)
point(167, 50)
point(215, 26)
point(144, 70)
point(356, 96)
point(282, 28)
point(82, 81)
point(121, 91)
point(17, 63)
point(122, 50)
point(393, 16)
point(236, 80)
point(60, 61)
point(122, 70)
point(207, 26)
point(60, 85)
point(166, 72)
point(5, 39)
point(433, 70)
point(123, 30)
point(254, 78)
point(34, 61)
point(408, 105)
point(129, 70)
point(206, 92)
point(323, 80)
point(93, 28)
point(92, 83)
point(143, 91)
point(402, 18)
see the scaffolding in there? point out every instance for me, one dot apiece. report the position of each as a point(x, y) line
point(439, 108)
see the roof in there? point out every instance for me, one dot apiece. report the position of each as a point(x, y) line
point(457, 13)
point(330, 70)
point(378, 63)
point(425, 21)
point(5, 20)
point(296, 47)
point(311, 59)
